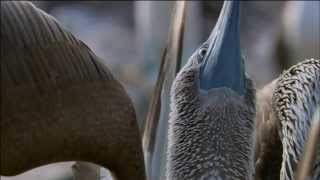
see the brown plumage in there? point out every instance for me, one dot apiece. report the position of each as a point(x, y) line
point(285, 111)
point(268, 147)
point(58, 101)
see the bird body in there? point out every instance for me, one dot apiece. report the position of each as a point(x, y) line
point(59, 102)
point(286, 107)
point(295, 100)
point(211, 126)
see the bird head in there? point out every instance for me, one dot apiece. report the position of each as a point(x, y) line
point(220, 59)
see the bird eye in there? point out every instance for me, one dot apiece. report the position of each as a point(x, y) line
point(202, 52)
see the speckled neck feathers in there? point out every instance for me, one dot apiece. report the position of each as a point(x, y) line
point(210, 132)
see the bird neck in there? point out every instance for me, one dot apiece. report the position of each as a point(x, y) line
point(210, 133)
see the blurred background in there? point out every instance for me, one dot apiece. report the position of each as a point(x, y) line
point(130, 36)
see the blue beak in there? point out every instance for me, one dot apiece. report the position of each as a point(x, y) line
point(222, 65)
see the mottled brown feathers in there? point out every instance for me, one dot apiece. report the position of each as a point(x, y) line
point(285, 109)
point(294, 102)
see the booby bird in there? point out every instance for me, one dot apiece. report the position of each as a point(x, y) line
point(59, 102)
point(211, 125)
point(284, 120)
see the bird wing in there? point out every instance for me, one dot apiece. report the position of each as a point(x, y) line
point(285, 107)
point(59, 102)
point(295, 99)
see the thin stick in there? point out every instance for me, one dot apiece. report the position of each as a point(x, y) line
point(171, 55)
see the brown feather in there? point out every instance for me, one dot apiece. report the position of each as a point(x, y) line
point(268, 145)
point(59, 101)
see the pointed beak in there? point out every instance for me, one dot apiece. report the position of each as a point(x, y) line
point(222, 65)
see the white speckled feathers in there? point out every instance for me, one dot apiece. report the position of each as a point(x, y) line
point(210, 133)
point(294, 101)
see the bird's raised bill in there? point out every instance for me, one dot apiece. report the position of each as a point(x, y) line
point(222, 65)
